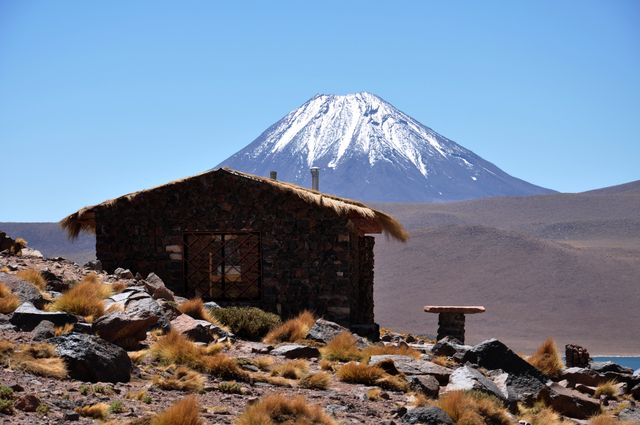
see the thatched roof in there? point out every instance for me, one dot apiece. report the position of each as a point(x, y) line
point(367, 219)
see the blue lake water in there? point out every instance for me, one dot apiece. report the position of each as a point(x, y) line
point(630, 362)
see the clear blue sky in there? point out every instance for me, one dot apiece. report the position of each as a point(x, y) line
point(98, 99)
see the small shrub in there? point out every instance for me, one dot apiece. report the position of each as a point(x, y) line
point(608, 389)
point(546, 359)
point(292, 369)
point(231, 387)
point(34, 277)
point(183, 412)
point(103, 389)
point(6, 400)
point(246, 322)
point(280, 409)
point(140, 396)
point(605, 419)
point(8, 301)
point(84, 389)
point(342, 348)
point(95, 411)
point(181, 379)
point(84, 298)
point(358, 373)
point(42, 409)
point(292, 330)
point(469, 407)
point(316, 381)
point(116, 407)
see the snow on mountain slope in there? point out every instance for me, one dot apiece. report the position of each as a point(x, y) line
point(367, 149)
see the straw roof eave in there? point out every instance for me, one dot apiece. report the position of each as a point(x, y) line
point(367, 219)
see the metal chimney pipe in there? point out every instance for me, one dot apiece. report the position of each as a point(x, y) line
point(273, 175)
point(315, 178)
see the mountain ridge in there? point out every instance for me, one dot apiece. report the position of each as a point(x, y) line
point(368, 149)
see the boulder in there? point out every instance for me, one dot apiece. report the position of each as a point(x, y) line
point(517, 388)
point(427, 415)
point(295, 351)
point(169, 309)
point(26, 317)
point(30, 252)
point(90, 358)
point(631, 414)
point(121, 273)
point(603, 367)
point(196, 330)
point(449, 346)
point(635, 392)
point(493, 354)
point(570, 402)
point(156, 288)
point(24, 290)
point(324, 331)
point(27, 403)
point(54, 282)
point(410, 366)
point(95, 265)
point(467, 378)
point(578, 375)
point(424, 384)
point(44, 330)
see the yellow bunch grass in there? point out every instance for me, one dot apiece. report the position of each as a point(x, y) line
point(292, 330)
point(279, 409)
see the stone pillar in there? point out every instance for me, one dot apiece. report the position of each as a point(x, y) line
point(576, 356)
point(451, 324)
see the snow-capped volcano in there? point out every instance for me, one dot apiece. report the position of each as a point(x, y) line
point(367, 149)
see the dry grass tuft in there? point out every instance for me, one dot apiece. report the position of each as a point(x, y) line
point(83, 298)
point(8, 301)
point(63, 330)
point(273, 380)
point(374, 394)
point(546, 359)
point(419, 400)
point(33, 276)
point(225, 367)
point(137, 356)
point(316, 381)
point(279, 409)
point(327, 365)
point(195, 308)
point(292, 330)
point(609, 389)
point(39, 359)
point(540, 414)
point(376, 350)
point(469, 407)
point(605, 419)
point(358, 373)
point(231, 387)
point(183, 412)
point(4, 269)
point(444, 361)
point(393, 383)
point(180, 378)
point(95, 411)
point(292, 369)
point(342, 348)
point(263, 362)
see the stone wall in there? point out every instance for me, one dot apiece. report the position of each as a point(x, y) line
point(311, 258)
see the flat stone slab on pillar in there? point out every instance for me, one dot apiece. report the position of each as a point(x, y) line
point(451, 319)
point(471, 309)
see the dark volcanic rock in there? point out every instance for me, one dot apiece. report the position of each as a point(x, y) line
point(493, 354)
point(27, 403)
point(603, 367)
point(577, 375)
point(324, 331)
point(27, 317)
point(44, 330)
point(410, 366)
point(449, 346)
point(295, 351)
point(570, 402)
point(425, 384)
point(156, 288)
point(91, 358)
point(427, 415)
point(196, 330)
point(518, 388)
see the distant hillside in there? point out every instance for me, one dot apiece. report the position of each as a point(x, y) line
point(52, 242)
point(562, 265)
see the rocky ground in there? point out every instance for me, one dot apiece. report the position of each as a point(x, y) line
point(110, 358)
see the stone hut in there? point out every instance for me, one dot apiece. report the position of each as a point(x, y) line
point(240, 239)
